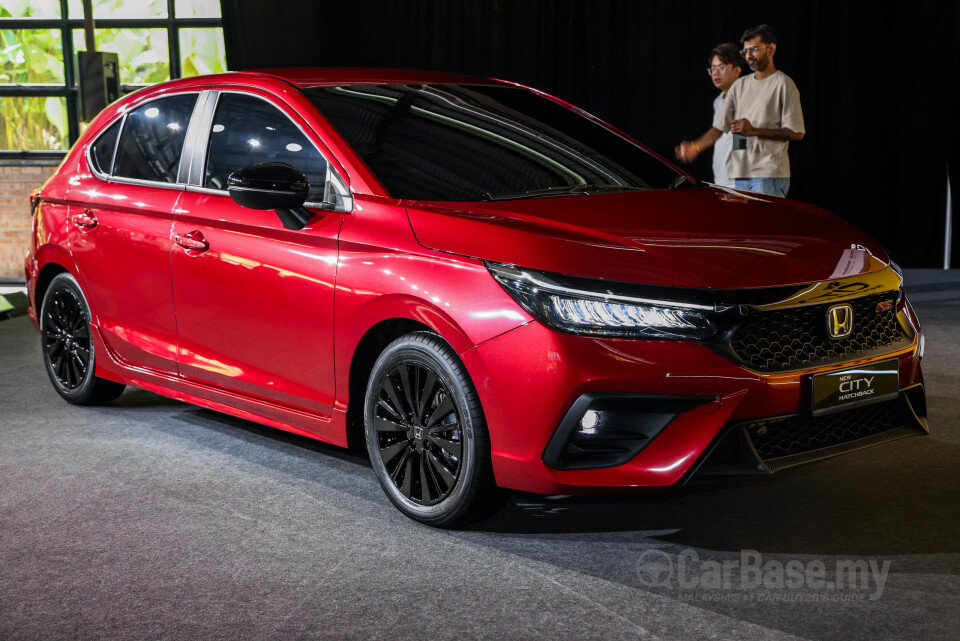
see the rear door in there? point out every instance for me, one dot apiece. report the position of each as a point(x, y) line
point(254, 300)
point(121, 216)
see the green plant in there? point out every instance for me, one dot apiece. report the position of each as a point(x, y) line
point(32, 56)
point(35, 57)
point(207, 52)
point(143, 53)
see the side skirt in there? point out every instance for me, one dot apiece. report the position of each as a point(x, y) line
point(330, 429)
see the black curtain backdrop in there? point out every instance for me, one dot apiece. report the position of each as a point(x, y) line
point(879, 86)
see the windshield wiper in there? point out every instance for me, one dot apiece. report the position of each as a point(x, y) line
point(560, 190)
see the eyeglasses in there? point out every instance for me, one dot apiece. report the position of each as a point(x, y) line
point(721, 69)
point(754, 50)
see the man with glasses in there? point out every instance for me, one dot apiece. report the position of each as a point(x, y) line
point(762, 110)
point(726, 64)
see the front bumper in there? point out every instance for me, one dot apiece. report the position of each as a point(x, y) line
point(529, 379)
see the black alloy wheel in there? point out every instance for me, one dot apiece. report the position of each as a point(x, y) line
point(68, 350)
point(66, 339)
point(418, 433)
point(425, 432)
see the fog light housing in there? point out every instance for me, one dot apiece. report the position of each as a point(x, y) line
point(609, 429)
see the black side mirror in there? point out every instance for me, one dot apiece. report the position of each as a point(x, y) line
point(273, 185)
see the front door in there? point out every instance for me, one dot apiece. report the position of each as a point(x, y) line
point(254, 301)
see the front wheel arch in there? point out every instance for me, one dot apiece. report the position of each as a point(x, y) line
point(371, 345)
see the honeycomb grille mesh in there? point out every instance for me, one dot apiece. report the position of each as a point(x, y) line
point(797, 337)
point(779, 437)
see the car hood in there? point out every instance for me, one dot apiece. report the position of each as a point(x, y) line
point(705, 236)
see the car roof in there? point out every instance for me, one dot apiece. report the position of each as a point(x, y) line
point(306, 77)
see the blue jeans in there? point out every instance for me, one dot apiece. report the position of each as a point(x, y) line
point(769, 186)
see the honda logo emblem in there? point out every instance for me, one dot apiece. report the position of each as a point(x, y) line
point(839, 321)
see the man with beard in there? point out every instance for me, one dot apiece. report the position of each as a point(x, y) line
point(763, 111)
point(726, 65)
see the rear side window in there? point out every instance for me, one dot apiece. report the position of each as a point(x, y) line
point(250, 131)
point(152, 139)
point(101, 152)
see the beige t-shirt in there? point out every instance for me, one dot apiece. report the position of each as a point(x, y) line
point(721, 149)
point(771, 103)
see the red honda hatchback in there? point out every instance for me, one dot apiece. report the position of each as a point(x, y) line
point(486, 285)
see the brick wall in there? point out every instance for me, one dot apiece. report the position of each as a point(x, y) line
point(18, 177)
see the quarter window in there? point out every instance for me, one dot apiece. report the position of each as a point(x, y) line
point(250, 131)
point(101, 152)
point(152, 139)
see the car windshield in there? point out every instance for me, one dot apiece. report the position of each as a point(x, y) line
point(483, 142)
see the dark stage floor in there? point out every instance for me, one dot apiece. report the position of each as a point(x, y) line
point(152, 519)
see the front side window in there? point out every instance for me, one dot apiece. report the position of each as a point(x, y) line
point(152, 139)
point(250, 131)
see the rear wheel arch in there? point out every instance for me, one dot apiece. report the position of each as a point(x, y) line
point(51, 259)
point(67, 344)
point(47, 273)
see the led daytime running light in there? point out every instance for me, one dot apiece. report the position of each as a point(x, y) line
point(594, 313)
point(531, 277)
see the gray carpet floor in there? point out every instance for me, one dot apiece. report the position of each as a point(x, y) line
point(152, 519)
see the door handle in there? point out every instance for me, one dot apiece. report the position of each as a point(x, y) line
point(86, 219)
point(194, 241)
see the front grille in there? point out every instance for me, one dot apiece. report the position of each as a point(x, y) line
point(797, 337)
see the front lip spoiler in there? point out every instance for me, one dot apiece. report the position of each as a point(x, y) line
point(733, 452)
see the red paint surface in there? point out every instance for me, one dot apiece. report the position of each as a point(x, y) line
point(264, 323)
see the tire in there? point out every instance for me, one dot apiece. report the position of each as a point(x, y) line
point(68, 350)
point(425, 432)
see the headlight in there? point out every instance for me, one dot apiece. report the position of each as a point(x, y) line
point(900, 298)
point(591, 308)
